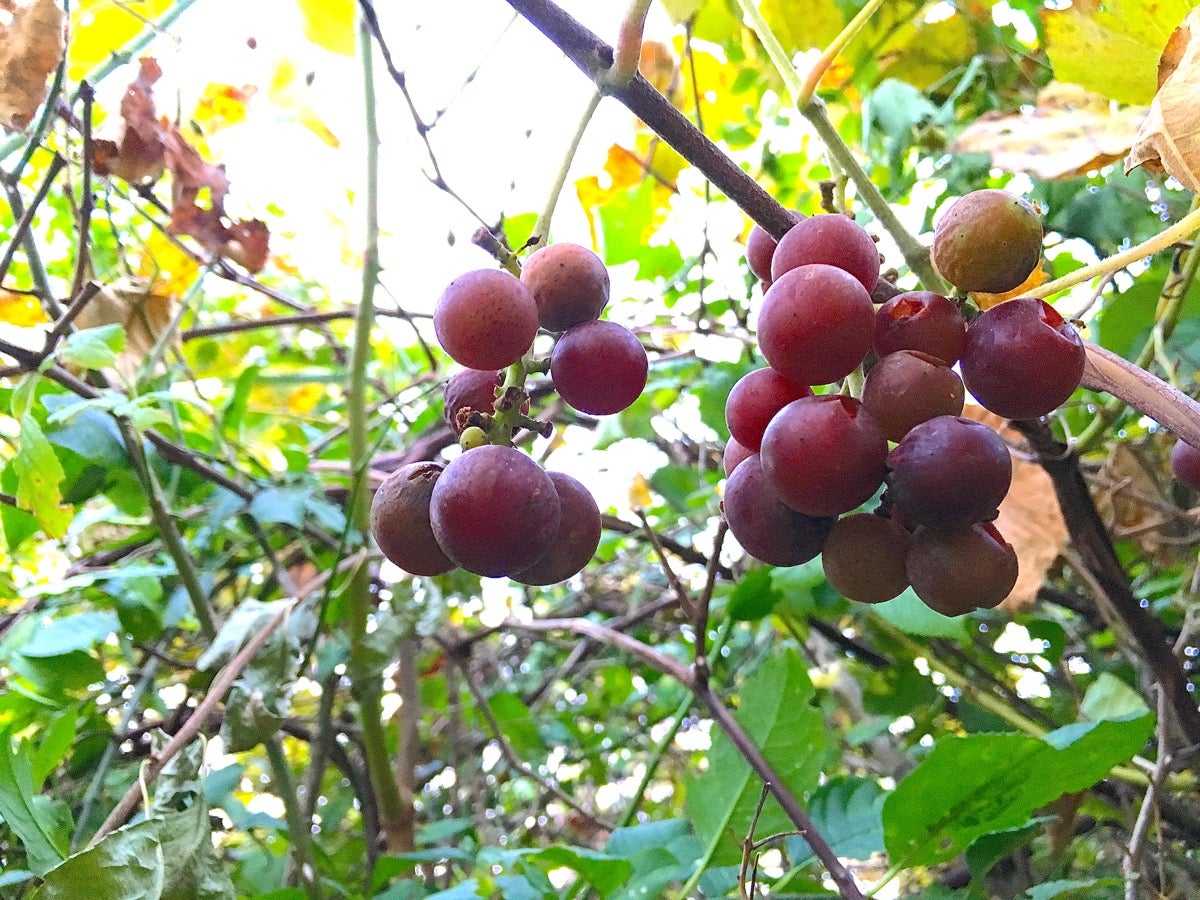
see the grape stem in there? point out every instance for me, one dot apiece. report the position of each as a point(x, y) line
point(1181, 230)
point(1105, 371)
point(809, 87)
point(541, 228)
point(629, 44)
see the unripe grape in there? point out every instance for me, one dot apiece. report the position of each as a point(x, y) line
point(988, 240)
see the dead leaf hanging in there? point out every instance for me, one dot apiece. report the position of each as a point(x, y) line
point(31, 47)
point(1169, 138)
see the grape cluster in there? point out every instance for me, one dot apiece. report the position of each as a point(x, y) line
point(799, 463)
point(493, 510)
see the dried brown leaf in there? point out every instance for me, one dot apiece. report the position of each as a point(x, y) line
point(138, 156)
point(31, 47)
point(1069, 132)
point(1169, 138)
point(1130, 500)
point(144, 314)
point(1030, 518)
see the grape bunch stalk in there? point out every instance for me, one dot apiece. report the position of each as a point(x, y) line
point(493, 510)
point(801, 462)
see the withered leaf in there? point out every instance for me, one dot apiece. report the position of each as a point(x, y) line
point(1169, 138)
point(138, 157)
point(1070, 132)
point(144, 314)
point(31, 47)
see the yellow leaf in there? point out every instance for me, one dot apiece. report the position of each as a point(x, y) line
point(803, 24)
point(921, 52)
point(1070, 132)
point(1112, 47)
point(167, 268)
point(22, 310)
point(985, 300)
point(329, 24)
point(304, 398)
point(222, 105)
point(639, 493)
point(100, 28)
point(286, 92)
point(1170, 137)
point(31, 47)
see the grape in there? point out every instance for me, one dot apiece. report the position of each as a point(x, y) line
point(949, 472)
point(824, 455)
point(486, 319)
point(760, 247)
point(577, 538)
point(1185, 464)
point(816, 324)
point(765, 528)
point(958, 570)
point(832, 239)
point(568, 282)
point(864, 558)
point(495, 511)
point(907, 388)
point(988, 241)
point(1022, 359)
point(734, 454)
point(471, 390)
point(599, 368)
point(921, 320)
point(756, 397)
point(400, 520)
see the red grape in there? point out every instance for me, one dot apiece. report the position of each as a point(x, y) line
point(760, 247)
point(958, 570)
point(486, 319)
point(765, 528)
point(1185, 464)
point(400, 520)
point(949, 472)
point(816, 324)
point(577, 538)
point(495, 511)
point(734, 453)
point(907, 388)
point(832, 239)
point(569, 282)
point(473, 390)
point(864, 558)
point(1022, 359)
point(825, 455)
point(752, 402)
point(921, 320)
point(599, 367)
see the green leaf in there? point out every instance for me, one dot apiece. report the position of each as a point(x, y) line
point(283, 505)
point(605, 873)
point(56, 741)
point(93, 348)
point(81, 631)
point(911, 616)
point(1108, 697)
point(33, 824)
point(991, 848)
point(128, 864)
point(1083, 890)
point(848, 812)
point(971, 786)
point(777, 715)
point(516, 723)
point(39, 476)
point(803, 24)
point(754, 596)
